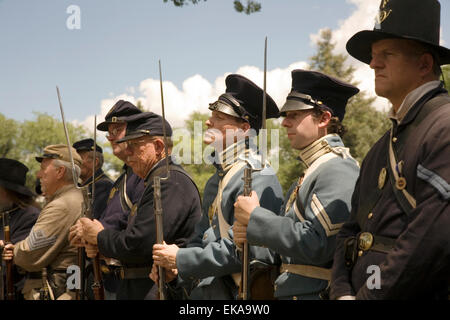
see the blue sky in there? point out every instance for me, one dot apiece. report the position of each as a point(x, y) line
point(120, 42)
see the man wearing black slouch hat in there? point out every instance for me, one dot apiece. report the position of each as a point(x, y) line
point(396, 244)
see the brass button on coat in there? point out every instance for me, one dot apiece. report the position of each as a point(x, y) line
point(401, 183)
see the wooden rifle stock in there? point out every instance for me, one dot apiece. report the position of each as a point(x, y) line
point(10, 295)
point(159, 233)
point(97, 286)
point(243, 288)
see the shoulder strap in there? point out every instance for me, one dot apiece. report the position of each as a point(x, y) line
point(176, 168)
point(223, 224)
point(405, 199)
point(125, 201)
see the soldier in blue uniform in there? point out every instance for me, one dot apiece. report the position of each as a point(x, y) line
point(303, 236)
point(180, 204)
point(102, 183)
point(211, 260)
point(18, 202)
point(125, 192)
point(396, 244)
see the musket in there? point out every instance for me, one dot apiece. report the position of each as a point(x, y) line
point(97, 286)
point(162, 295)
point(80, 293)
point(2, 284)
point(245, 270)
point(45, 293)
point(10, 295)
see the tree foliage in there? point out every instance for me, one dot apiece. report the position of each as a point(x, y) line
point(446, 76)
point(364, 124)
point(198, 169)
point(249, 7)
point(24, 141)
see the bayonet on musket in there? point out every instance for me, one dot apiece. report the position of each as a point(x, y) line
point(162, 295)
point(244, 289)
point(80, 293)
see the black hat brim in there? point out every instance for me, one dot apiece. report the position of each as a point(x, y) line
point(360, 45)
point(17, 188)
point(103, 126)
point(131, 137)
point(294, 105)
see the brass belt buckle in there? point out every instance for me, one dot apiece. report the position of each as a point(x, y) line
point(365, 241)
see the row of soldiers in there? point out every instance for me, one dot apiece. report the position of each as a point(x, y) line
point(337, 224)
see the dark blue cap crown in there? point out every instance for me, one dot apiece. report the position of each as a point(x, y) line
point(244, 99)
point(119, 113)
point(145, 123)
point(86, 145)
point(314, 89)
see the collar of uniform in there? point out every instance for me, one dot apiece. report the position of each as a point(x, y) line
point(98, 174)
point(8, 211)
point(60, 191)
point(232, 154)
point(410, 99)
point(158, 164)
point(319, 147)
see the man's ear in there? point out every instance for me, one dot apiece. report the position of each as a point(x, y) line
point(60, 172)
point(426, 64)
point(245, 126)
point(325, 119)
point(159, 146)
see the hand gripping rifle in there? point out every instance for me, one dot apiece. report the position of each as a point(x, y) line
point(97, 286)
point(10, 295)
point(87, 211)
point(162, 294)
point(245, 270)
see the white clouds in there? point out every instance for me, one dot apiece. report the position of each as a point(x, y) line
point(362, 18)
point(196, 92)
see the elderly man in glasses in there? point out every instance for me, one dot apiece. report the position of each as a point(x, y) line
point(145, 151)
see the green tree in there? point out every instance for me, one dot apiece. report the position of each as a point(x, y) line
point(364, 124)
point(34, 135)
point(8, 137)
point(249, 7)
point(140, 106)
point(446, 76)
point(200, 172)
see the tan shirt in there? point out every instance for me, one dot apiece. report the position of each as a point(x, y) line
point(47, 245)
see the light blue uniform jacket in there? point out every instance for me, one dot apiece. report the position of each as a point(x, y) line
point(211, 258)
point(308, 236)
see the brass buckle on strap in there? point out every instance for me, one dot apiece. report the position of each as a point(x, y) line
point(365, 241)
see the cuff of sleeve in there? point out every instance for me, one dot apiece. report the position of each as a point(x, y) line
point(257, 224)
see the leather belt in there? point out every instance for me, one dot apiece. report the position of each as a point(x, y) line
point(38, 274)
point(368, 241)
point(135, 273)
point(307, 271)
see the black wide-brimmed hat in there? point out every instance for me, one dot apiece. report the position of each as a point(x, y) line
point(118, 113)
point(86, 145)
point(13, 176)
point(417, 20)
point(314, 89)
point(244, 99)
point(145, 123)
